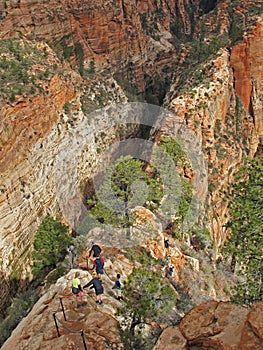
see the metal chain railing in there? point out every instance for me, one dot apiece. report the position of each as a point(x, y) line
point(58, 321)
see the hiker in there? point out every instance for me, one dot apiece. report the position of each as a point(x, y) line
point(166, 243)
point(98, 265)
point(194, 244)
point(171, 270)
point(97, 285)
point(117, 285)
point(166, 261)
point(95, 249)
point(76, 287)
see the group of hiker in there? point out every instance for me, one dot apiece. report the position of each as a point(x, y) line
point(170, 267)
point(96, 281)
point(98, 270)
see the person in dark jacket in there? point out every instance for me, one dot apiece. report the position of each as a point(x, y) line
point(166, 243)
point(95, 249)
point(96, 284)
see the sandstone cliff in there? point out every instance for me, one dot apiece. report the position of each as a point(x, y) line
point(142, 45)
point(224, 111)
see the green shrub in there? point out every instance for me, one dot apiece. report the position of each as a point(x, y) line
point(147, 299)
point(246, 239)
point(51, 242)
point(66, 107)
point(123, 188)
point(20, 307)
point(17, 75)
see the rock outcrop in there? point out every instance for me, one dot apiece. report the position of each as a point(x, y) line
point(211, 325)
point(218, 326)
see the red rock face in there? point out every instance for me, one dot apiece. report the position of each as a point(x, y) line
point(118, 35)
point(247, 61)
point(28, 120)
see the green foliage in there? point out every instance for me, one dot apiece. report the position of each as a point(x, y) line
point(130, 89)
point(80, 243)
point(50, 245)
point(17, 76)
point(78, 50)
point(236, 31)
point(19, 309)
point(246, 239)
point(67, 107)
point(91, 70)
point(185, 303)
point(147, 299)
point(63, 47)
point(149, 25)
point(124, 187)
point(203, 50)
point(175, 149)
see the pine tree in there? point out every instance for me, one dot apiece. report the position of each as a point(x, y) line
point(125, 185)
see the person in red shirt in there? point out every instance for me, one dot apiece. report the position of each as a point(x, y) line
point(98, 265)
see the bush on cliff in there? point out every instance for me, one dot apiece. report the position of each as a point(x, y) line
point(125, 185)
point(148, 300)
point(50, 246)
point(246, 240)
point(20, 307)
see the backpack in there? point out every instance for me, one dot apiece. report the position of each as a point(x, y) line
point(99, 264)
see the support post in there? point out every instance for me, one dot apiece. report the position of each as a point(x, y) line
point(63, 310)
point(83, 339)
point(55, 320)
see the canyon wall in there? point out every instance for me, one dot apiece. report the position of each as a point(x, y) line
point(47, 154)
point(224, 110)
point(39, 138)
point(34, 127)
point(129, 38)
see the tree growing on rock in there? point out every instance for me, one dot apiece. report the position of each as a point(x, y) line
point(246, 240)
point(51, 242)
point(148, 300)
point(125, 185)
